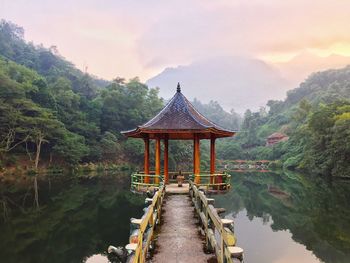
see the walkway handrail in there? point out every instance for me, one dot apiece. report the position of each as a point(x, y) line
point(146, 226)
point(225, 250)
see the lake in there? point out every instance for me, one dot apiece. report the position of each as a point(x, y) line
point(278, 218)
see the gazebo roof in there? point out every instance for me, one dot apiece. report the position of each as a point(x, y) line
point(179, 120)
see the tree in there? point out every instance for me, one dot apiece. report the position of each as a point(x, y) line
point(71, 147)
point(109, 145)
point(126, 106)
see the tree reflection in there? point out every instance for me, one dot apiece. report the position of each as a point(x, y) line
point(36, 193)
point(77, 219)
point(314, 210)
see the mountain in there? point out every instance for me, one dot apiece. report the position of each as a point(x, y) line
point(45, 61)
point(235, 82)
point(301, 66)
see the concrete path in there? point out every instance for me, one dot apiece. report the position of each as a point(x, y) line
point(179, 239)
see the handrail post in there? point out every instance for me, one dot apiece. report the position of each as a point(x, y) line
point(140, 241)
point(159, 203)
point(206, 227)
point(222, 245)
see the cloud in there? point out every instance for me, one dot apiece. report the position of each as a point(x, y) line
point(140, 38)
point(244, 27)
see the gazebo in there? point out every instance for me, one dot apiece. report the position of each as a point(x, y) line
point(178, 120)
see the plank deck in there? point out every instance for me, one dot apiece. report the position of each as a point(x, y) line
point(179, 239)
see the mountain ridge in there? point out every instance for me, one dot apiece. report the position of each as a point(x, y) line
point(250, 81)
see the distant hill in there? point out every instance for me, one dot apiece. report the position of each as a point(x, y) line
point(316, 118)
point(305, 63)
point(240, 82)
point(46, 61)
point(322, 87)
point(235, 82)
point(53, 114)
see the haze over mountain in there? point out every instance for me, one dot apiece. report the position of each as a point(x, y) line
point(241, 82)
point(236, 82)
point(305, 63)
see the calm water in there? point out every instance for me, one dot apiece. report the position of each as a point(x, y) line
point(278, 218)
point(289, 218)
point(78, 219)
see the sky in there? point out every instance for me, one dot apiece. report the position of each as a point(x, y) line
point(111, 38)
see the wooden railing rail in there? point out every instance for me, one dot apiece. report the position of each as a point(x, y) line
point(145, 227)
point(220, 181)
point(214, 226)
point(138, 181)
point(218, 232)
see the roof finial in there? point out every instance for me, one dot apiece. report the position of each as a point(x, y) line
point(178, 89)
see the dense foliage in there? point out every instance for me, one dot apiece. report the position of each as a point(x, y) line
point(51, 111)
point(214, 112)
point(315, 116)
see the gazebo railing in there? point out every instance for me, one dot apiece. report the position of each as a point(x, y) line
point(140, 181)
point(219, 181)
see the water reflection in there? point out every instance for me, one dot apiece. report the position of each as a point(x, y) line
point(78, 218)
point(289, 217)
point(278, 218)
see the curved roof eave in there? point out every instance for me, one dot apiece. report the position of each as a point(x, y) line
point(180, 116)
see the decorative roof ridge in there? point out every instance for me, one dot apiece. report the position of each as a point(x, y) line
point(190, 105)
point(161, 113)
point(213, 124)
point(180, 115)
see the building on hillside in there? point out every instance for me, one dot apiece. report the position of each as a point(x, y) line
point(276, 138)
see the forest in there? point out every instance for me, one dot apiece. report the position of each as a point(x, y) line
point(53, 114)
point(315, 116)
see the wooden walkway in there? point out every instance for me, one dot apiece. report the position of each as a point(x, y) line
point(174, 219)
point(179, 239)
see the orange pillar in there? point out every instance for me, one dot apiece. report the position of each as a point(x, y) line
point(146, 160)
point(197, 160)
point(157, 160)
point(166, 160)
point(212, 158)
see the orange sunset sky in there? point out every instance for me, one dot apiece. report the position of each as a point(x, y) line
point(141, 38)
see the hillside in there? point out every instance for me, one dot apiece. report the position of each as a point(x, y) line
point(304, 63)
point(46, 61)
point(52, 114)
point(315, 116)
